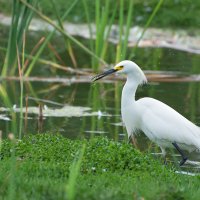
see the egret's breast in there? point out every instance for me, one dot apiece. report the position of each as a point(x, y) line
point(131, 119)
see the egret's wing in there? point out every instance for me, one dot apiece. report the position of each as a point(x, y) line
point(161, 122)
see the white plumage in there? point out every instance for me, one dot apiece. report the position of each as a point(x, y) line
point(160, 123)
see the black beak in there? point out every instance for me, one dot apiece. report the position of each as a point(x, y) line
point(106, 73)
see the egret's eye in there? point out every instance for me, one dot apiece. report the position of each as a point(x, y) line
point(118, 67)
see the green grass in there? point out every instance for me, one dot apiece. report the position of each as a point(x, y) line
point(109, 170)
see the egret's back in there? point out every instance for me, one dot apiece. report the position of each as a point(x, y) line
point(164, 125)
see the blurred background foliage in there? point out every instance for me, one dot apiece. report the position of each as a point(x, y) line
point(173, 13)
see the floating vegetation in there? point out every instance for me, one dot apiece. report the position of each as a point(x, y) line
point(66, 111)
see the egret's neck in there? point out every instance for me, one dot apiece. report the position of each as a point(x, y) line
point(128, 92)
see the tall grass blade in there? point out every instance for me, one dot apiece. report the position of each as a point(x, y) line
point(67, 43)
point(128, 26)
point(74, 172)
point(85, 6)
point(156, 9)
point(65, 34)
point(34, 58)
point(7, 103)
point(121, 25)
point(45, 42)
point(124, 31)
point(103, 23)
point(21, 88)
point(21, 17)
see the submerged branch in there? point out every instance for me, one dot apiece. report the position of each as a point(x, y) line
point(152, 76)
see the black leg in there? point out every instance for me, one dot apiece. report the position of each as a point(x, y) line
point(129, 140)
point(184, 158)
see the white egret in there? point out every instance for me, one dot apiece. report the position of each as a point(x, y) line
point(159, 122)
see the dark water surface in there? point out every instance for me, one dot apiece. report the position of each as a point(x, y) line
point(103, 98)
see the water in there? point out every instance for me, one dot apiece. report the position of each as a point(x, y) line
point(103, 98)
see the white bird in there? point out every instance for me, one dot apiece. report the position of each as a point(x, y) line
point(159, 122)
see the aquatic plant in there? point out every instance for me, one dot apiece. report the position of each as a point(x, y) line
point(21, 18)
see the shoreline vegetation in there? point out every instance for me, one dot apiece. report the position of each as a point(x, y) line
point(48, 166)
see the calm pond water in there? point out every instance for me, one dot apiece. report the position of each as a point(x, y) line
point(101, 97)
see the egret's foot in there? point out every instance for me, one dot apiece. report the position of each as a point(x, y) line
point(183, 161)
point(184, 158)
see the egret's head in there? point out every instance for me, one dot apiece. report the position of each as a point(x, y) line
point(127, 67)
